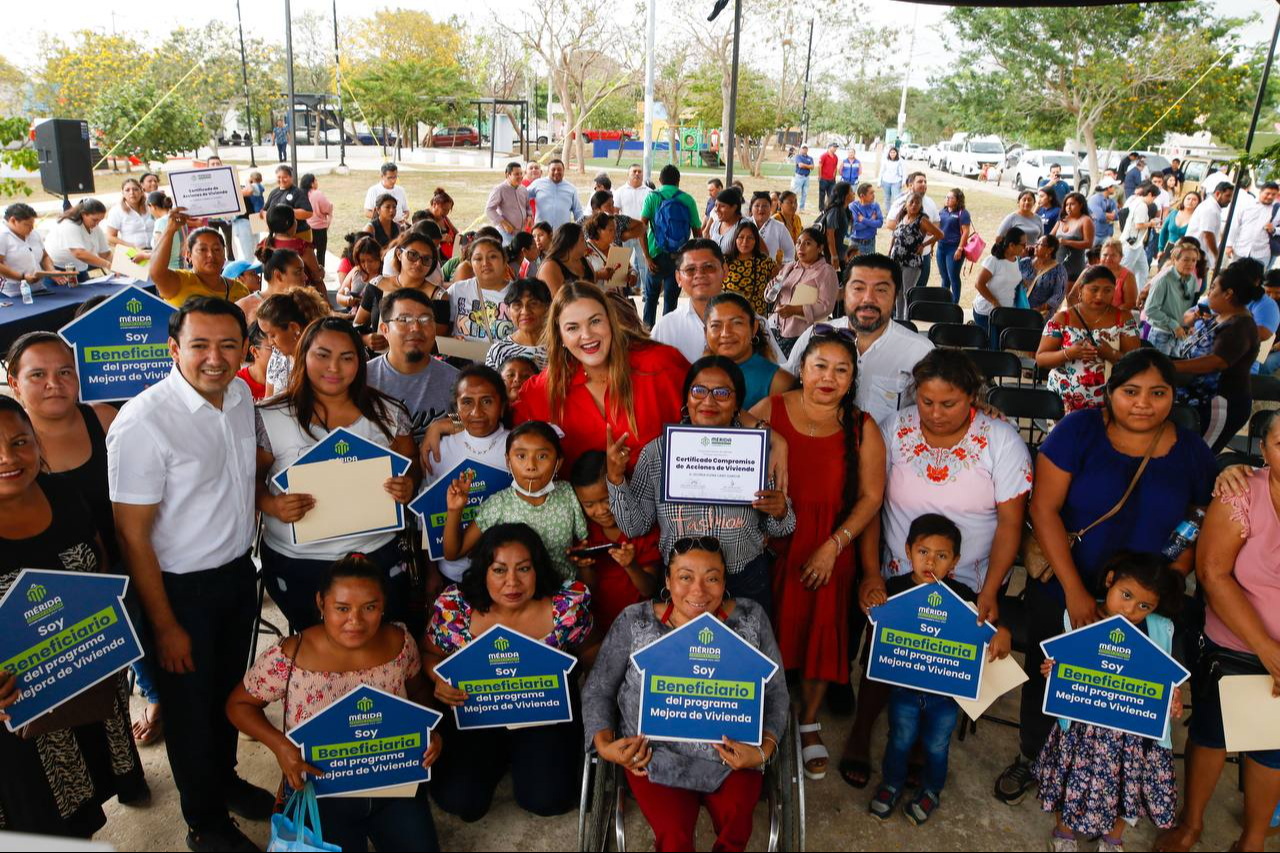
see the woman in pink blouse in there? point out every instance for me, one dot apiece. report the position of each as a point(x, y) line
point(792, 315)
point(511, 582)
point(1237, 570)
point(321, 215)
point(310, 671)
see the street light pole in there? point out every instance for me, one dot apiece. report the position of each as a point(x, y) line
point(337, 81)
point(906, 74)
point(804, 101)
point(248, 101)
point(649, 62)
point(289, 115)
point(731, 130)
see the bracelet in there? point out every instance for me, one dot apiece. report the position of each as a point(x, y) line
point(836, 542)
point(764, 759)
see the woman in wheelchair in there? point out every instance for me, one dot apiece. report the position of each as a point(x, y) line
point(511, 582)
point(671, 780)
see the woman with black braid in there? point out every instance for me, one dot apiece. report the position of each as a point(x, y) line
point(815, 572)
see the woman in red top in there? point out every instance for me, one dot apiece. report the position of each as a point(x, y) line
point(601, 376)
point(815, 572)
point(439, 209)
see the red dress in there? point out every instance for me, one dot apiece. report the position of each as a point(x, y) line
point(613, 591)
point(813, 625)
point(657, 380)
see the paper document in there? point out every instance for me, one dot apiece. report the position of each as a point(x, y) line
point(619, 256)
point(122, 262)
point(460, 348)
point(213, 191)
point(350, 499)
point(998, 678)
point(1250, 714)
point(804, 294)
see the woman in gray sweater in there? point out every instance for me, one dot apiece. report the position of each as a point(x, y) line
point(671, 779)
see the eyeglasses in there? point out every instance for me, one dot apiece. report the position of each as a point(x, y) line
point(414, 257)
point(826, 330)
point(700, 392)
point(696, 543)
point(407, 322)
point(705, 269)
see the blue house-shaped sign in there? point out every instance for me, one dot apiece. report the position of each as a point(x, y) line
point(928, 638)
point(1111, 674)
point(121, 345)
point(510, 680)
point(432, 507)
point(368, 739)
point(60, 634)
point(702, 682)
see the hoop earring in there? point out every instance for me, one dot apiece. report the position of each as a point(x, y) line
point(664, 594)
point(684, 414)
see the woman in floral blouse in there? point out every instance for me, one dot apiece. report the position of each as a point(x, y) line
point(310, 671)
point(748, 267)
point(1082, 341)
point(948, 457)
point(511, 582)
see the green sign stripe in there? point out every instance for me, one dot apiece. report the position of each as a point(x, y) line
point(126, 352)
point(357, 748)
point(520, 684)
point(1111, 681)
point(706, 688)
point(932, 645)
point(70, 636)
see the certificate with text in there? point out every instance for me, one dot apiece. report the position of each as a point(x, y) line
point(709, 465)
point(214, 191)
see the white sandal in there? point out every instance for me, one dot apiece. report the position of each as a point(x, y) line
point(813, 752)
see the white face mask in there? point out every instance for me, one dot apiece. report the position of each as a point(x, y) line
point(540, 493)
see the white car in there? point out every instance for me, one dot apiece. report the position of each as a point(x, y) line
point(911, 151)
point(1034, 165)
point(973, 155)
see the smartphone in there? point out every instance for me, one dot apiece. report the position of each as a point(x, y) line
point(591, 551)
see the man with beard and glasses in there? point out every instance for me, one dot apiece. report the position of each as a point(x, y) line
point(887, 351)
point(407, 371)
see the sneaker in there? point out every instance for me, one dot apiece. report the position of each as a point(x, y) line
point(249, 801)
point(1107, 844)
point(884, 801)
point(1012, 785)
point(1062, 844)
point(226, 837)
point(919, 809)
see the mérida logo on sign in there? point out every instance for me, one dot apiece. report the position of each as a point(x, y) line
point(121, 345)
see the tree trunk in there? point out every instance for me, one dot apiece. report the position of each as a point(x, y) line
point(1091, 145)
point(566, 152)
point(671, 142)
point(582, 153)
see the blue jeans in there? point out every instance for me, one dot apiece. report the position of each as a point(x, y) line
point(949, 269)
point(927, 717)
point(925, 266)
point(638, 264)
point(865, 247)
point(891, 192)
point(800, 186)
point(1271, 365)
point(664, 281)
point(1162, 340)
point(282, 148)
point(391, 823)
point(983, 321)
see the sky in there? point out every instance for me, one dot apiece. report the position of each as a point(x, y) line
point(26, 22)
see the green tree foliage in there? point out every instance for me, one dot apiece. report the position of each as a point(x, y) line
point(1095, 71)
point(75, 72)
point(134, 121)
point(14, 129)
point(410, 91)
point(756, 118)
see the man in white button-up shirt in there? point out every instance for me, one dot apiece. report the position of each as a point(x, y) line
point(180, 464)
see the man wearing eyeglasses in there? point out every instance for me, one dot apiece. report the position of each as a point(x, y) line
point(407, 371)
point(887, 351)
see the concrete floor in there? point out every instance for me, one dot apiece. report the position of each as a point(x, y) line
point(969, 818)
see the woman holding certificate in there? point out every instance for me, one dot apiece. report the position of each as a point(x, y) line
point(511, 582)
point(838, 454)
point(352, 645)
point(329, 391)
point(713, 389)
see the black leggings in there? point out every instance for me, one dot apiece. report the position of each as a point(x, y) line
point(545, 762)
point(1044, 620)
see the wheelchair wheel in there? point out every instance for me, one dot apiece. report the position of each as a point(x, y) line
point(596, 807)
point(787, 790)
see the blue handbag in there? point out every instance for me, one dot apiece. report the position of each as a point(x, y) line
point(297, 828)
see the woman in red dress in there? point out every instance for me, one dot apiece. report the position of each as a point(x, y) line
point(815, 573)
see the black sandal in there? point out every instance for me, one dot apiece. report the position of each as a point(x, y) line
point(856, 772)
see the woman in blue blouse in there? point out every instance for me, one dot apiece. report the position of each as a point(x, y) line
point(1044, 280)
point(955, 223)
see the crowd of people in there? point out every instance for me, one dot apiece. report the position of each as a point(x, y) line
point(520, 345)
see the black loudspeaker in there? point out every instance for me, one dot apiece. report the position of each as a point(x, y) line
point(62, 147)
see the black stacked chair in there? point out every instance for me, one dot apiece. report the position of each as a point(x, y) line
point(997, 365)
point(1020, 340)
point(958, 335)
point(1015, 318)
point(935, 312)
point(1030, 409)
point(907, 324)
point(1186, 417)
point(928, 294)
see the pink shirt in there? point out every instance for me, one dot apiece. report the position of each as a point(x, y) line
point(321, 208)
point(1256, 569)
point(822, 276)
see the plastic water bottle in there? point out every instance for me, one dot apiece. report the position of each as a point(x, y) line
point(26, 293)
point(1184, 535)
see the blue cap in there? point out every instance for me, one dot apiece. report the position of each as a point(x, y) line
point(235, 269)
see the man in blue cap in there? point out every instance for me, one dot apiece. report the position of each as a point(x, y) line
point(248, 273)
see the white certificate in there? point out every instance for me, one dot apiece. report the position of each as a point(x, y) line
point(207, 192)
point(707, 465)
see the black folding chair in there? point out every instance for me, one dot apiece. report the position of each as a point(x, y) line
point(935, 312)
point(1186, 417)
point(997, 365)
point(1015, 318)
point(959, 335)
point(1020, 340)
point(1032, 410)
point(1251, 454)
point(907, 324)
point(929, 294)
